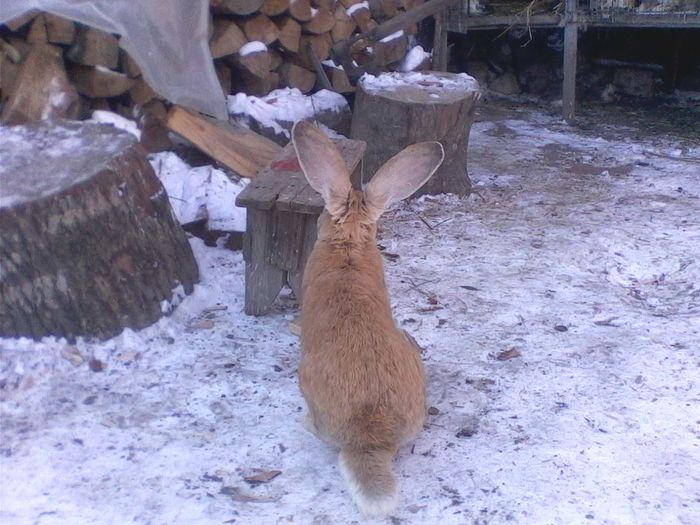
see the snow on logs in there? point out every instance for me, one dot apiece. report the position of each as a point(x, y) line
point(88, 242)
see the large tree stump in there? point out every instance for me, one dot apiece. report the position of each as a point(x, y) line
point(394, 110)
point(88, 242)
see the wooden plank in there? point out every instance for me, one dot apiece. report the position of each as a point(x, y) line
point(295, 278)
point(570, 51)
point(263, 281)
point(286, 239)
point(238, 148)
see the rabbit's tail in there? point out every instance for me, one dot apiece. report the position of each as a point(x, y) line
point(370, 480)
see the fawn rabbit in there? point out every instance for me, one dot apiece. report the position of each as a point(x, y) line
point(362, 378)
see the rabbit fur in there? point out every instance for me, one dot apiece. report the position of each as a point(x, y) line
point(361, 377)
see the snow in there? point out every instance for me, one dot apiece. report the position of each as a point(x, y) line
point(101, 116)
point(414, 58)
point(284, 105)
point(200, 193)
point(357, 7)
point(420, 80)
point(252, 47)
point(392, 36)
point(558, 309)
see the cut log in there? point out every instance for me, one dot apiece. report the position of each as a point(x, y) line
point(256, 62)
point(260, 29)
point(129, 65)
point(87, 236)
point(154, 133)
point(237, 7)
point(344, 25)
point(226, 39)
point(238, 148)
point(17, 24)
point(290, 33)
point(325, 4)
point(274, 7)
point(41, 89)
point(99, 82)
point(59, 30)
point(93, 47)
point(300, 10)
point(8, 76)
point(418, 107)
point(297, 77)
point(322, 21)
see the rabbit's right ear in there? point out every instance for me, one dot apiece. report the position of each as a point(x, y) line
point(323, 165)
point(402, 175)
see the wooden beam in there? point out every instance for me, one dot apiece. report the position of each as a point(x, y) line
point(570, 51)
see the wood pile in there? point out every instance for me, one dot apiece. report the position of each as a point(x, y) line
point(68, 69)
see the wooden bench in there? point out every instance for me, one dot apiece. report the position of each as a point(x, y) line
point(282, 210)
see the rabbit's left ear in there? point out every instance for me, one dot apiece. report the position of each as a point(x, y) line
point(323, 165)
point(402, 175)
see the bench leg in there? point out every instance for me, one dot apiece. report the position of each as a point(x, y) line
point(263, 281)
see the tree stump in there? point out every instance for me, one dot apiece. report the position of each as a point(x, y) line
point(88, 242)
point(394, 110)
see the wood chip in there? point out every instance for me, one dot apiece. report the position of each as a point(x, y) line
point(236, 495)
point(508, 354)
point(262, 477)
point(204, 324)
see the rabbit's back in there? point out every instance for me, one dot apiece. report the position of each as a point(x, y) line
point(363, 380)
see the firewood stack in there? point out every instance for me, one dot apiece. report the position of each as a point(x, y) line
point(257, 45)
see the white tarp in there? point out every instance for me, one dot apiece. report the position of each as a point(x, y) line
point(167, 38)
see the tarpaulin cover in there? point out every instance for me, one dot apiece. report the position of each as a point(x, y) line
point(168, 39)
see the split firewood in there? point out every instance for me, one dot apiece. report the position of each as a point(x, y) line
point(58, 29)
point(325, 4)
point(223, 72)
point(300, 10)
point(276, 59)
point(238, 148)
point(390, 49)
point(321, 46)
point(100, 82)
point(297, 77)
point(17, 24)
point(361, 15)
point(236, 7)
point(93, 47)
point(129, 65)
point(349, 3)
point(141, 93)
point(226, 39)
point(154, 133)
point(290, 33)
point(41, 89)
point(344, 24)
point(37, 31)
point(274, 7)
point(253, 58)
point(8, 76)
point(260, 29)
point(338, 78)
point(322, 21)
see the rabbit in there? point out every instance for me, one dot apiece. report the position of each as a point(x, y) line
point(361, 377)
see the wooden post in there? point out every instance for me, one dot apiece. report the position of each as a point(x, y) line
point(570, 51)
point(440, 43)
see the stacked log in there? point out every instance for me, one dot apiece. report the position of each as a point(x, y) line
point(257, 46)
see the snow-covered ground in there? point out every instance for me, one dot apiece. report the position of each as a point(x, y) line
point(559, 310)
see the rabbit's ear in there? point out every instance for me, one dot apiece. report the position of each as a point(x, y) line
point(402, 175)
point(323, 165)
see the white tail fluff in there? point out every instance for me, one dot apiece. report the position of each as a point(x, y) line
point(370, 481)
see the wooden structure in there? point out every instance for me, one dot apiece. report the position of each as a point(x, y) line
point(281, 214)
point(88, 242)
point(571, 15)
point(395, 110)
